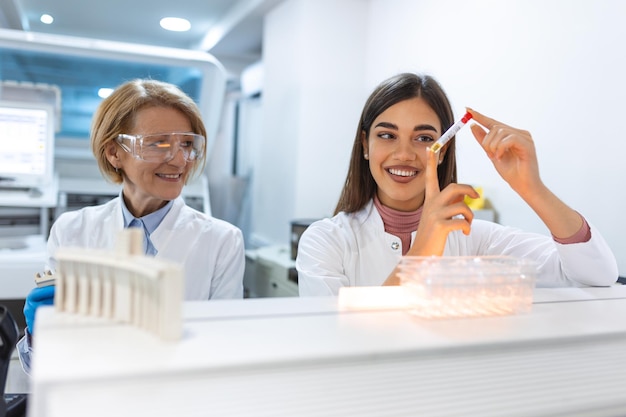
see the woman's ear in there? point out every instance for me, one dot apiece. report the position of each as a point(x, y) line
point(364, 144)
point(111, 151)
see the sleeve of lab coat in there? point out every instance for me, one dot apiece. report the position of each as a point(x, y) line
point(227, 281)
point(590, 263)
point(320, 260)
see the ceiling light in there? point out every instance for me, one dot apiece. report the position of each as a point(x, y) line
point(175, 24)
point(46, 18)
point(104, 92)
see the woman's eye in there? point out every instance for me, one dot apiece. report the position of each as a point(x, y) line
point(186, 144)
point(159, 144)
point(385, 135)
point(155, 141)
point(425, 139)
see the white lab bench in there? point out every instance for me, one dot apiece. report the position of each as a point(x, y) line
point(304, 357)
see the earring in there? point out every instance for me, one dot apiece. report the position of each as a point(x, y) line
point(366, 156)
point(440, 161)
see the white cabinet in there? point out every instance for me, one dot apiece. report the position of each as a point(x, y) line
point(270, 272)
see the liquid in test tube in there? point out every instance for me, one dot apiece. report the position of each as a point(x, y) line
point(445, 138)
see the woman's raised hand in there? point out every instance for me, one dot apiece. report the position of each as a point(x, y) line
point(444, 211)
point(511, 150)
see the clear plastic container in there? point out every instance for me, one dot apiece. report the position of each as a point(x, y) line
point(458, 286)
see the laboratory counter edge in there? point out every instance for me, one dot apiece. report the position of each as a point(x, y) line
point(306, 357)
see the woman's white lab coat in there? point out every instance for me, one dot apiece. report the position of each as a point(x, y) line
point(354, 250)
point(210, 250)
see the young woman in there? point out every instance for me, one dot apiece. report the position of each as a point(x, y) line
point(149, 137)
point(400, 199)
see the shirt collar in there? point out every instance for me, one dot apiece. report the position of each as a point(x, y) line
point(151, 221)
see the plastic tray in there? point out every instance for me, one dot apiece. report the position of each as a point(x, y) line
point(446, 287)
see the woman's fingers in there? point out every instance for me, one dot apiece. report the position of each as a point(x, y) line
point(488, 122)
point(444, 211)
point(457, 192)
point(449, 204)
point(480, 134)
point(511, 150)
point(432, 179)
point(498, 137)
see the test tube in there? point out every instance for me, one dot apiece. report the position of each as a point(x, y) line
point(445, 138)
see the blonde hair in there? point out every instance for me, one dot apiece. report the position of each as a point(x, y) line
point(116, 115)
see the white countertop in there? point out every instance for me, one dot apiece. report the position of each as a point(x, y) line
point(232, 351)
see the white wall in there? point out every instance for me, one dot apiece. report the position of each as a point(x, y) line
point(313, 57)
point(553, 67)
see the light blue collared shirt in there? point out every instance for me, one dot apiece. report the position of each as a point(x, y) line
point(150, 222)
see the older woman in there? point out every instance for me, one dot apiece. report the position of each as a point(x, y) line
point(149, 137)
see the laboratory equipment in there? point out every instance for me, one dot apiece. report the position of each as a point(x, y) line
point(467, 286)
point(298, 227)
point(453, 130)
point(27, 143)
point(44, 279)
point(124, 286)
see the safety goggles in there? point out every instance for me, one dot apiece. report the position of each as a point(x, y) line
point(163, 147)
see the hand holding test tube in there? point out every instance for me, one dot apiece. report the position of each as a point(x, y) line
point(445, 138)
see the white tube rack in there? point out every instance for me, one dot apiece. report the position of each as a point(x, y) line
point(122, 286)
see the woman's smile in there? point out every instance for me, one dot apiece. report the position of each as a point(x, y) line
point(397, 147)
point(402, 172)
point(170, 176)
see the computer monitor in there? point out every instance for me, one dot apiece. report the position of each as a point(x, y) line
point(26, 145)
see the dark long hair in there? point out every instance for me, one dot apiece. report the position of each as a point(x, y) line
point(360, 186)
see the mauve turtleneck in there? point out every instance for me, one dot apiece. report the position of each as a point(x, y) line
point(399, 223)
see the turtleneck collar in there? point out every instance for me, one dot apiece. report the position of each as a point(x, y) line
point(399, 223)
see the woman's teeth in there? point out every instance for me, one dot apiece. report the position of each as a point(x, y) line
point(402, 173)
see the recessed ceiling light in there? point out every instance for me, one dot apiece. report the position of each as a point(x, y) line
point(104, 92)
point(46, 18)
point(175, 24)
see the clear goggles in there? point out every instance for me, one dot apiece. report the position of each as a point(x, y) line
point(163, 147)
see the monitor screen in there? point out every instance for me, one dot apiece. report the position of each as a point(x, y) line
point(26, 144)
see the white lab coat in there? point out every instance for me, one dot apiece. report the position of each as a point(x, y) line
point(354, 250)
point(210, 250)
